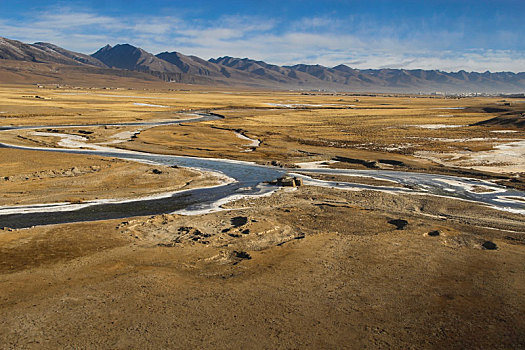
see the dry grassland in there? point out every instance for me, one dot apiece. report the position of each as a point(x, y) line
point(304, 268)
point(32, 177)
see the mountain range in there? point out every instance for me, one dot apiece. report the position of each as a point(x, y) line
point(230, 71)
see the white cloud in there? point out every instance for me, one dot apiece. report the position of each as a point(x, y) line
point(309, 23)
point(247, 23)
point(155, 25)
point(68, 19)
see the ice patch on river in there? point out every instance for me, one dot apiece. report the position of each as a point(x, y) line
point(473, 139)
point(507, 158)
point(206, 208)
point(67, 206)
point(253, 142)
point(306, 105)
point(436, 126)
point(149, 105)
point(67, 140)
point(448, 107)
point(80, 142)
point(320, 164)
point(474, 188)
point(466, 189)
point(121, 137)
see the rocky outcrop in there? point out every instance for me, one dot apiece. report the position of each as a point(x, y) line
point(288, 181)
point(400, 224)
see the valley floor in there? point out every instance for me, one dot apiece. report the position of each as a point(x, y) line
point(307, 267)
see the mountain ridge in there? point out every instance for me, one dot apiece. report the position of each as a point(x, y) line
point(229, 71)
point(43, 53)
point(342, 77)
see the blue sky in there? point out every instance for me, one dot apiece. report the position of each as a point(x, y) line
point(441, 34)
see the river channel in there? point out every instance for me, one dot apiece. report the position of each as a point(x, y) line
point(246, 179)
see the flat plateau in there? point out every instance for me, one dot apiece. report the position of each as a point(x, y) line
point(303, 267)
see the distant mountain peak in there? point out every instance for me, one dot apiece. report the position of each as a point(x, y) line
point(125, 56)
point(227, 70)
point(344, 68)
point(42, 52)
point(102, 49)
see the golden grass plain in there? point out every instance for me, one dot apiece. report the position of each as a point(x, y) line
point(308, 268)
